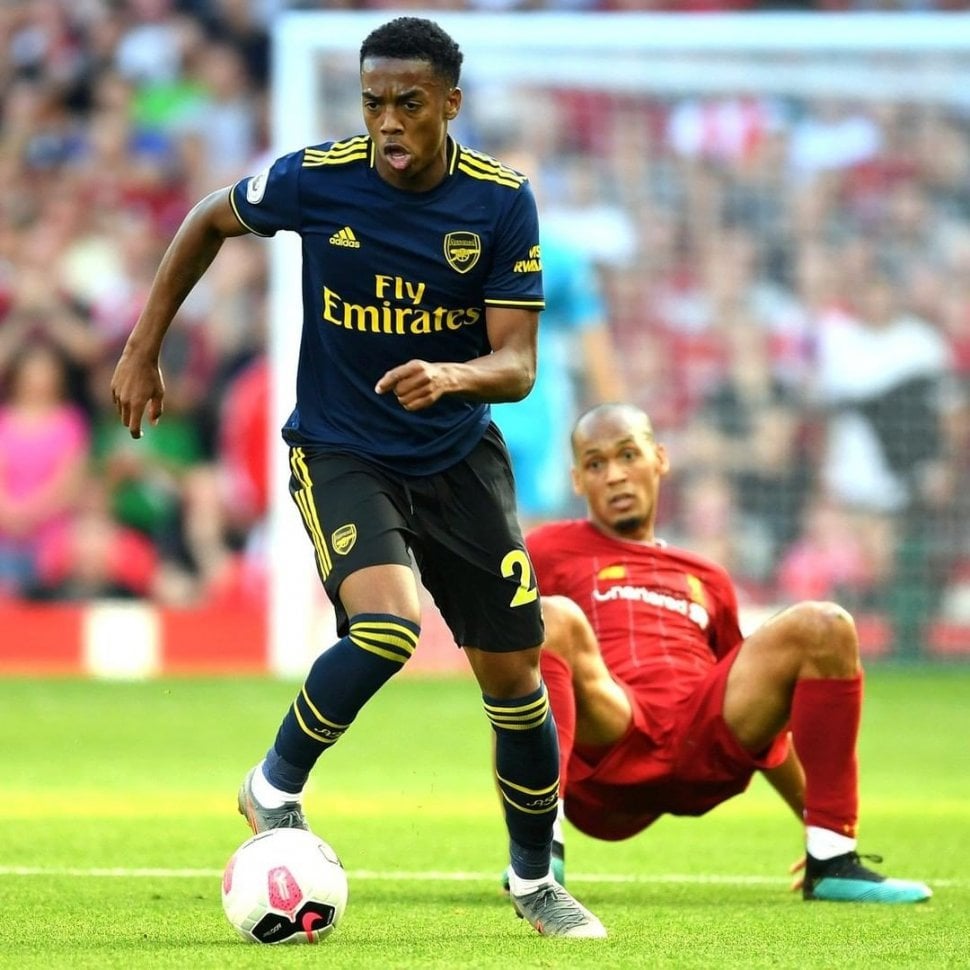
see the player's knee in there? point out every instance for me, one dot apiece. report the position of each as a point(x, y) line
point(827, 635)
point(567, 629)
point(385, 635)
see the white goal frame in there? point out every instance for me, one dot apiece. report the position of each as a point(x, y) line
point(656, 53)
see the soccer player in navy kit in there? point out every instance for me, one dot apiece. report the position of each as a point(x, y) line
point(421, 293)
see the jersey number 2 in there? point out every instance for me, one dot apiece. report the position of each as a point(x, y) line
point(517, 562)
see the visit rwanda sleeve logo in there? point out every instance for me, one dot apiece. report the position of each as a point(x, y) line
point(462, 250)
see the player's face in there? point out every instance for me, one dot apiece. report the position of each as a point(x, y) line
point(407, 108)
point(617, 468)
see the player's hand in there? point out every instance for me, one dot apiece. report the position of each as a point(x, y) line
point(417, 384)
point(797, 871)
point(137, 383)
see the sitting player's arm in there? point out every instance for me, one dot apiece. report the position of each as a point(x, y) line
point(788, 779)
point(505, 374)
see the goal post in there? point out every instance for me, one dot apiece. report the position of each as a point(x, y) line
point(314, 96)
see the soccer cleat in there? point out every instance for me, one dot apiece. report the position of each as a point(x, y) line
point(553, 912)
point(558, 866)
point(845, 879)
point(260, 819)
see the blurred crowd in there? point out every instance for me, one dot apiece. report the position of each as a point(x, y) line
point(116, 118)
point(784, 283)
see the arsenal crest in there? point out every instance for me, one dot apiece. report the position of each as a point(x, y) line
point(462, 250)
point(343, 539)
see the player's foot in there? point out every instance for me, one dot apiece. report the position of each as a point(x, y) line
point(287, 816)
point(558, 866)
point(845, 879)
point(553, 912)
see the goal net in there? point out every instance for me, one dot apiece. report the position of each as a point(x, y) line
point(778, 212)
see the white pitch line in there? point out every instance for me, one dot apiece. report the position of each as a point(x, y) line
point(686, 879)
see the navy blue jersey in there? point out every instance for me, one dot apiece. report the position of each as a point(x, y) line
point(389, 276)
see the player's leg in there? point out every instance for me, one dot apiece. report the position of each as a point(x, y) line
point(473, 561)
point(801, 668)
point(526, 763)
point(362, 559)
point(581, 689)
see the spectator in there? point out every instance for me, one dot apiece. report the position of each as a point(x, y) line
point(829, 559)
point(43, 457)
point(166, 487)
point(693, 210)
point(750, 426)
point(880, 375)
point(94, 557)
point(243, 449)
point(883, 377)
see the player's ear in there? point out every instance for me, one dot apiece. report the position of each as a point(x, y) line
point(453, 104)
point(663, 459)
point(577, 481)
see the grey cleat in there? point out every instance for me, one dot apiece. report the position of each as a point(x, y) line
point(260, 819)
point(553, 912)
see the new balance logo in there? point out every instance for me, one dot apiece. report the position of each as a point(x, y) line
point(346, 238)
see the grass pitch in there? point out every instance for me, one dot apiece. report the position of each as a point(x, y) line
point(117, 814)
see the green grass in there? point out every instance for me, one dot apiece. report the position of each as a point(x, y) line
point(139, 781)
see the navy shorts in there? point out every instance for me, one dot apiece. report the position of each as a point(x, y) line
point(459, 525)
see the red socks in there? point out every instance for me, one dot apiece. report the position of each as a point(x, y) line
point(558, 677)
point(825, 725)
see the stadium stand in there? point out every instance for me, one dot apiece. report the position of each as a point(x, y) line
point(754, 252)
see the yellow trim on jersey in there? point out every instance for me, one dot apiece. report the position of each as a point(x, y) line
point(308, 510)
point(481, 166)
point(242, 221)
point(488, 176)
point(339, 153)
point(526, 304)
point(339, 147)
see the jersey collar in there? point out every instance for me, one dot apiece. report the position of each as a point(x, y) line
point(451, 155)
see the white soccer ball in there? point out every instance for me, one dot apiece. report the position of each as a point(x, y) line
point(284, 886)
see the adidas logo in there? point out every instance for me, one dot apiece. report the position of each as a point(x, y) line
point(346, 238)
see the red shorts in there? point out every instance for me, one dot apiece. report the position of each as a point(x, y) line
point(680, 760)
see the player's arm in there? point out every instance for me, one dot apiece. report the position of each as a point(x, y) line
point(788, 779)
point(137, 380)
point(506, 374)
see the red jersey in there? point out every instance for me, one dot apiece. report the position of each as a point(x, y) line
point(662, 616)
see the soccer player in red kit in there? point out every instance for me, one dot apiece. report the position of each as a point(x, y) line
point(661, 705)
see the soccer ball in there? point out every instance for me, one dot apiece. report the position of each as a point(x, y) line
point(284, 886)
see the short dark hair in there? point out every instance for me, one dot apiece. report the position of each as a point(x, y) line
point(415, 39)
